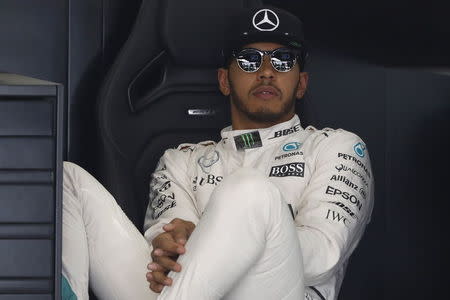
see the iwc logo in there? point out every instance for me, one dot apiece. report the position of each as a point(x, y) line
point(265, 20)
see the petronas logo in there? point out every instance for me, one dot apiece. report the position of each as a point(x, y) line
point(248, 141)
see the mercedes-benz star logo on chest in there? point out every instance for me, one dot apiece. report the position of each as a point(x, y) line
point(265, 20)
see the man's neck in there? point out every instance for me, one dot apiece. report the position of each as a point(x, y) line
point(241, 122)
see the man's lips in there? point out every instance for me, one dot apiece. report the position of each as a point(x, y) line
point(266, 92)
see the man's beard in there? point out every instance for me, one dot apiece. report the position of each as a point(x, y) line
point(263, 114)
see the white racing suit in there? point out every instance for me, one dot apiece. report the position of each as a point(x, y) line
point(324, 178)
point(278, 211)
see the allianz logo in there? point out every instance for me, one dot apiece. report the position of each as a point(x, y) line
point(292, 146)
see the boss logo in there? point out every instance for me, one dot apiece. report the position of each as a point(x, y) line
point(291, 169)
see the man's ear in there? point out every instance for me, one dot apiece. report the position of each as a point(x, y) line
point(224, 84)
point(302, 85)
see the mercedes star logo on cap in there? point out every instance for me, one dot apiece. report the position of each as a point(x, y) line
point(265, 20)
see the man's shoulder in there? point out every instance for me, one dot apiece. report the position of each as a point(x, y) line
point(188, 147)
point(186, 150)
point(327, 132)
point(318, 137)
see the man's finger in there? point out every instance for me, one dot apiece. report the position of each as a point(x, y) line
point(161, 252)
point(156, 287)
point(180, 230)
point(161, 278)
point(168, 263)
point(169, 227)
point(180, 234)
point(168, 244)
point(156, 267)
point(149, 276)
point(156, 253)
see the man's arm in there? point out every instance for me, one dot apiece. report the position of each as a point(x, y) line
point(336, 205)
point(169, 195)
point(171, 216)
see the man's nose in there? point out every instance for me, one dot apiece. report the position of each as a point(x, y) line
point(266, 70)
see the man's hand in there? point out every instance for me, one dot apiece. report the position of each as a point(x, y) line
point(166, 248)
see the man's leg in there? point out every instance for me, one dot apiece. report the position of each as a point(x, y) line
point(100, 244)
point(244, 247)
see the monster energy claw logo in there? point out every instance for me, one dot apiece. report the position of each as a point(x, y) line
point(248, 140)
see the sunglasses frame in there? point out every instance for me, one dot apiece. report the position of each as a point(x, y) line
point(269, 53)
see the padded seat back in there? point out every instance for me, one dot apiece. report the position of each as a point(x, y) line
point(161, 91)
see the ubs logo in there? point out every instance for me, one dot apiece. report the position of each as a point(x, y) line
point(201, 181)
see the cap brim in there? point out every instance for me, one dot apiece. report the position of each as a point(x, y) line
point(287, 41)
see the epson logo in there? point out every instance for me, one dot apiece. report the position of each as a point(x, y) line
point(347, 196)
point(292, 169)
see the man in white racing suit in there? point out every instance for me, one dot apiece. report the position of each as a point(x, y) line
point(271, 211)
point(322, 176)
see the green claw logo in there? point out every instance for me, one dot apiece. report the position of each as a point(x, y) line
point(248, 140)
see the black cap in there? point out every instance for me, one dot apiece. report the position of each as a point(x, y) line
point(264, 24)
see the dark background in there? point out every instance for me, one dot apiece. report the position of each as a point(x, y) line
point(378, 68)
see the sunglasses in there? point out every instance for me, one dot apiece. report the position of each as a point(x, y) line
point(250, 59)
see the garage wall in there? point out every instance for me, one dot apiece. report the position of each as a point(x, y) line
point(69, 42)
point(417, 164)
point(33, 38)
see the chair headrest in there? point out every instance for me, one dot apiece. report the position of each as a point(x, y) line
point(193, 31)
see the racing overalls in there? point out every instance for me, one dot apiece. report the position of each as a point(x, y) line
point(324, 179)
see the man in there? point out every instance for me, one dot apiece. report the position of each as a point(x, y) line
point(212, 194)
point(272, 211)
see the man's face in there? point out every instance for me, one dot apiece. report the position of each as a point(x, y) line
point(265, 97)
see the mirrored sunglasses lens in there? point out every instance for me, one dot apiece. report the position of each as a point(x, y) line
point(249, 60)
point(282, 66)
point(283, 60)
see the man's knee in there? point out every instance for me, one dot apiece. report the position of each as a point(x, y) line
point(73, 172)
point(78, 182)
point(246, 188)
